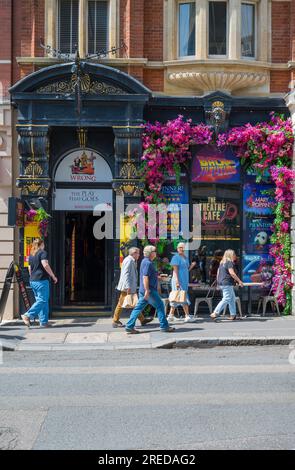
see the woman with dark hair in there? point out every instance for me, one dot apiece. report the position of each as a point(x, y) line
point(40, 273)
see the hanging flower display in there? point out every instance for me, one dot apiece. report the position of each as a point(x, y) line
point(269, 147)
point(266, 146)
point(40, 216)
point(166, 148)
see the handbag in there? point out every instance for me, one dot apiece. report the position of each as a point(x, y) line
point(130, 301)
point(178, 296)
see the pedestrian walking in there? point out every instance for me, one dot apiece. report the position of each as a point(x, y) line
point(40, 273)
point(226, 278)
point(128, 285)
point(148, 293)
point(180, 281)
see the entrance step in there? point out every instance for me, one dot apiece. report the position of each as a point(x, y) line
point(82, 311)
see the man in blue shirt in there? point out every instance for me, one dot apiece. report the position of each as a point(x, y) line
point(148, 293)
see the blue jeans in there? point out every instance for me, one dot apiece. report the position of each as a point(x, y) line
point(154, 300)
point(228, 297)
point(41, 306)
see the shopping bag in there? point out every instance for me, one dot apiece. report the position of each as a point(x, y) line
point(130, 301)
point(178, 296)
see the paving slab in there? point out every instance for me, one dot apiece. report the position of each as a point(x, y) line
point(82, 338)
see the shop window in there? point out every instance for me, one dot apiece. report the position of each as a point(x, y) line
point(221, 218)
point(98, 20)
point(217, 28)
point(68, 25)
point(248, 30)
point(186, 29)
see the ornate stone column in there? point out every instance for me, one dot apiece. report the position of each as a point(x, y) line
point(33, 146)
point(128, 151)
point(290, 101)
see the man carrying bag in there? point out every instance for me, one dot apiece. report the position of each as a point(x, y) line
point(127, 286)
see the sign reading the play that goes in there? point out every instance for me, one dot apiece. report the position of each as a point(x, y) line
point(83, 199)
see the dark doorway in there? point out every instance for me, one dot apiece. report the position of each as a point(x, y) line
point(85, 258)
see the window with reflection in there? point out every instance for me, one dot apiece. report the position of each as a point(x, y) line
point(68, 13)
point(187, 29)
point(248, 30)
point(217, 28)
point(221, 218)
point(98, 20)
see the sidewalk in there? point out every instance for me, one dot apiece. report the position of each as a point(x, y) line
point(97, 333)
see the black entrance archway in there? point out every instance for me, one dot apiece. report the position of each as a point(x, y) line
point(49, 124)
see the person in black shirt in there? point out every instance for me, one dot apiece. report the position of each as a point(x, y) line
point(40, 273)
point(226, 278)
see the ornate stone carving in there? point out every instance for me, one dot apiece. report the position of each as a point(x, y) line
point(33, 145)
point(214, 80)
point(87, 86)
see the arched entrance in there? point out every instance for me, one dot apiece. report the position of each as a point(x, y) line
point(55, 120)
point(83, 179)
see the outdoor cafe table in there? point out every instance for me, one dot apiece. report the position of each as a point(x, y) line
point(248, 285)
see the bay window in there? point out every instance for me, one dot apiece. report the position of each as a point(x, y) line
point(186, 29)
point(248, 30)
point(217, 28)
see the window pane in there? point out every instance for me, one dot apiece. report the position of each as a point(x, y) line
point(97, 26)
point(248, 30)
point(187, 29)
point(68, 25)
point(217, 28)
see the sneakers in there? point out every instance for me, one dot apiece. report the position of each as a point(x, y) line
point(117, 324)
point(146, 320)
point(46, 325)
point(170, 329)
point(189, 319)
point(172, 318)
point(26, 320)
point(132, 332)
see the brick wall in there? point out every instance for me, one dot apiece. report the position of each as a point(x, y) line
point(281, 32)
point(153, 30)
point(154, 79)
point(279, 81)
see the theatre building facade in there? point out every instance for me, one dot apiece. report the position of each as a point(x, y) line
point(73, 128)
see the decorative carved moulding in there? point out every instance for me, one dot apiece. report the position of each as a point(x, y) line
point(133, 187)
point(67, 86)
point(208, 81)
point(33, 187)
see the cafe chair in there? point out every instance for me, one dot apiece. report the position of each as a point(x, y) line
point(273, 299)
point(239, 305)
point(208, 299)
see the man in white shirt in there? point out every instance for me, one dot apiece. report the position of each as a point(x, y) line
point(128, 285)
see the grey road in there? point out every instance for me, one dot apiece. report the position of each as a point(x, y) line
point(220, 398)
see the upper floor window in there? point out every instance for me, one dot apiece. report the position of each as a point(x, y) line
point(98, 20)
point(186, 28)
point(248, 30)
point(68, 13)
point(217, 28)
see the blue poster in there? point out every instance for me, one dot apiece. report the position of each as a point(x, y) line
point(254, 266)
point(174, 196)
point(258, 218)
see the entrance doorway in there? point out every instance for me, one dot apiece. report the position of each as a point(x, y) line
point(85, 261)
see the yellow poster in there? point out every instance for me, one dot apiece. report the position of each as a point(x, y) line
point(125, 236)
point(30, 233)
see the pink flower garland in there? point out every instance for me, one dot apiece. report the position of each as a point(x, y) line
point(166, 147)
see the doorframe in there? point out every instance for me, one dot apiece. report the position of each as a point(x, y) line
point(58, 257)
